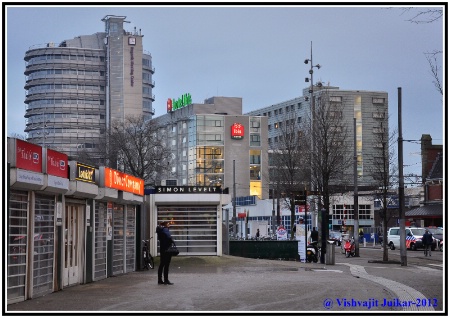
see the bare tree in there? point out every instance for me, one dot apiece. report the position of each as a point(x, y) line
point(422, 16)
point(138, 149)
point(18, 136)
point(289, 161)
point(435, 69)
point(384, 171)
point(331, 155)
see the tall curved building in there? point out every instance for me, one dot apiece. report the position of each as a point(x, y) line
point(76, 89)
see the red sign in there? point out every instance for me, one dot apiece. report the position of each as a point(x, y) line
point(57, 164)
point(28, 156)
point(169, 105)
point(122, 181)
point(237, 131)
point(242, 215)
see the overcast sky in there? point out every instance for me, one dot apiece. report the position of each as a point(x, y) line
point(257, 53)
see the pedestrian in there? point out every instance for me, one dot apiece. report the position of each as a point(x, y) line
point(361, 236)
point(427, 240)
point(314, 237)
point(257, 234)
point(165, 241)
point(380, 237)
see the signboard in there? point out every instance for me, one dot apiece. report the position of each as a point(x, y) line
point(281, 233)
point(300, 237)
point(237, 131)
point(57, 164)
point(85, 173)
point(174, 104)
point(188, 189)
point(122, 181)
point(28, 156)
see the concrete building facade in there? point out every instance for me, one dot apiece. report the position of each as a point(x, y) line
point(214, 144)
point(77, 88)
point(370, 108)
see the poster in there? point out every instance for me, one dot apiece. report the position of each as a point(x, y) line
point(109, 222)
point(281, 233)
point(300, 237)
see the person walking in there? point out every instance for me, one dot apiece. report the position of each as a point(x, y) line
point(165, 241)
point(257, 234)
point(427, 240)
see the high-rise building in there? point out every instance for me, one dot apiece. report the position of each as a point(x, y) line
point(370, 108)
point(77, 88)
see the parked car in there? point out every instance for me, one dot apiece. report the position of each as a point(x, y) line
point(415, 232)
point(335, 236)
point(438, 234)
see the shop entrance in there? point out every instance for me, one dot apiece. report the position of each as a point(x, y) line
point(73, 245)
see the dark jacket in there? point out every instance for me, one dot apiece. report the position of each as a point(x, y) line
point(427, 239)
point(314, 236)
point(164, 237)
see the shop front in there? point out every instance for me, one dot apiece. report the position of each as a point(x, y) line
point(116, 224)
point(38, 177)
point(194, 214)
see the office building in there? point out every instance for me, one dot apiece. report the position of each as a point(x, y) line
point(77, 88)
point(370, 108)
point(214, 144)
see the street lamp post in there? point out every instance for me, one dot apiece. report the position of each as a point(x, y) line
point(313, 130)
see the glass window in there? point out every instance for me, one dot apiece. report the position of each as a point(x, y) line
point(255, 140)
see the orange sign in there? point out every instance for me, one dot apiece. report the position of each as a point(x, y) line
point(122, 181)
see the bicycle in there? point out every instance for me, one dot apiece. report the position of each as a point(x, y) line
point(146, 256)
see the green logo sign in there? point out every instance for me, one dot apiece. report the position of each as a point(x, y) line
point(181, 102)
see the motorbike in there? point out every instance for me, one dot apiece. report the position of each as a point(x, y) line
point(311, 254)
point(349, 247)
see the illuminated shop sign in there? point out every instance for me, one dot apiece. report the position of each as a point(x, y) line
point(188, 189)
point(237, 131)
point(85, 173)
point(57, 164)
point(122, 181)
point(28, 156)
point(174, 104)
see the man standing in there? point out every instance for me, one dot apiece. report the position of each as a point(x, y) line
point(427, 240)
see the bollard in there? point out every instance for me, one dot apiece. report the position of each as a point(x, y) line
point(329, 256)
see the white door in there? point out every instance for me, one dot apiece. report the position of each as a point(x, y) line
point(73, 234)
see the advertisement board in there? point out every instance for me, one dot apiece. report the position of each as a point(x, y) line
point(28, 156)
point(122, 181)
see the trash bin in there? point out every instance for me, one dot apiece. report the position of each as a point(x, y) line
point(329, 256)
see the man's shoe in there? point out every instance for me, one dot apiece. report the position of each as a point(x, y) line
point(160, 282)
point(167, 282)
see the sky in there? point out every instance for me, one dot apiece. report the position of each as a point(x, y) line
point(257, 53)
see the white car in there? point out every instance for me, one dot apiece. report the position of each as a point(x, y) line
point(415, 233)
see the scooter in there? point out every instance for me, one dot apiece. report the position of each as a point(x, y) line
point(349, 247)
point(311, 255)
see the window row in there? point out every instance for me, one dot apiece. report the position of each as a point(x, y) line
point(41, 102)
point(39, 88)
point(70, 57)
point(42, 73)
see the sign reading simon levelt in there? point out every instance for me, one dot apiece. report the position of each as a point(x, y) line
point(188, 189)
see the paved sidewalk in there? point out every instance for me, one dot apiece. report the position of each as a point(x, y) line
point(227, 284)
